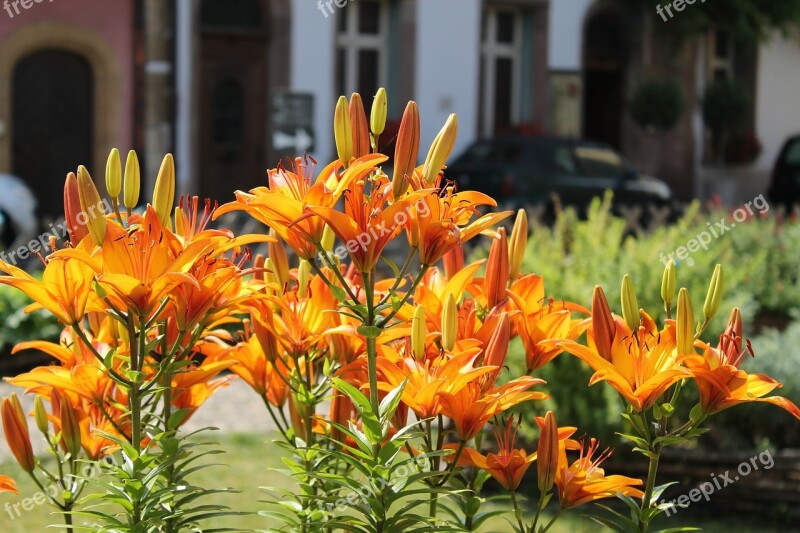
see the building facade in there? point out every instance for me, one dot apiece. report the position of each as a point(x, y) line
point(232, 87)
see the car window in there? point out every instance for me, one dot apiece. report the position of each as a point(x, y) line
point(792, 153)
point(564, 162)
point(598, 162)
point(493, 153)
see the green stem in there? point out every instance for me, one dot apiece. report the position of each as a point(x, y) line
point(539, 508)
point(553, 520)
point(406, 296)
point(400, 276)
point(652, 471)
point(517, 511)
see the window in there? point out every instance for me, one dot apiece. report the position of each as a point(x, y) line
point(721, 57)
point(500, 69)
point(232, 14)
point(361, 54)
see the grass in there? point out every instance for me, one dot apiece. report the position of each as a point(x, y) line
point(247, 463)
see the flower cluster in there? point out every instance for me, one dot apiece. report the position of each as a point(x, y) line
point(363, 372)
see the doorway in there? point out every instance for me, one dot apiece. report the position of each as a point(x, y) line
point(233, 97)
point(52, 103)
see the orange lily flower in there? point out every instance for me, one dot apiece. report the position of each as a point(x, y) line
point(508, 465)
point(722, 383)
point(541, 319)
point(641, 368)
point(64, 290)
point(470, 408)
point(282, 206)
point(441, 221)
point(268, 378)
point(429, 377)
point(8, 485)
point(368, 224)
point(584, 481)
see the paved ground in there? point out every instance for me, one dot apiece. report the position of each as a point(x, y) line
point(234, 408)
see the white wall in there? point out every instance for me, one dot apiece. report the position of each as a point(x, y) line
point(566, 33)
point(778, 89)
point(312, 69)
point(448, 68)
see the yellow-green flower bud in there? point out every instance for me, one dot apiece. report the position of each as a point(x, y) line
point(303, 276)
point(714, 296)
point(114, 175)
point(133, 178)
point(40, 415)
point(449, 322)
point(630, 306)
point(418, 332)
point(164, 191)
point(685, 323)
point(440, 149)
point(517, 245)
point(343, 131)
point(377, 117)
point(668, 284)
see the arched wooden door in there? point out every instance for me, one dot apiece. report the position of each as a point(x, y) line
point(52, 102)
point(233, 96)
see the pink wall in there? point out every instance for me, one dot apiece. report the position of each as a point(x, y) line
point(111, 19)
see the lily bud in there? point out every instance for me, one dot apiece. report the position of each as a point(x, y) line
point(180, 221)
point(497, 349)
point(377, 117)
point(668, 284)
point(418, 333)
point(730, 342)
point(440, 149)
point(70, 428)
point(604, 327)
point(685, 323)
point(630, 306)
point(40, 415)
point(303, 276)
point(449, 322)
point(358, 121)
point(406, 151)
point(91, 206)
point(72, 206)
point(714, 296)
point(258, 265)
point(114, 175)
point(519, 240)
point(547, 453)
point(497, 270)
point(133, 178)
point(164, 191)
point(271, 276)
point(453, 261)
point(343, 131)
point(15, 428)
point(328, 239)
point(277, 252)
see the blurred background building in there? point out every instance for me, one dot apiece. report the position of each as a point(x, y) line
point(232, 86)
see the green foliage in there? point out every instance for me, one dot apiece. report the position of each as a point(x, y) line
point(762, 277)
point(16, 325)
point(726, 105)
point(750, 20)
point(657, 104)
